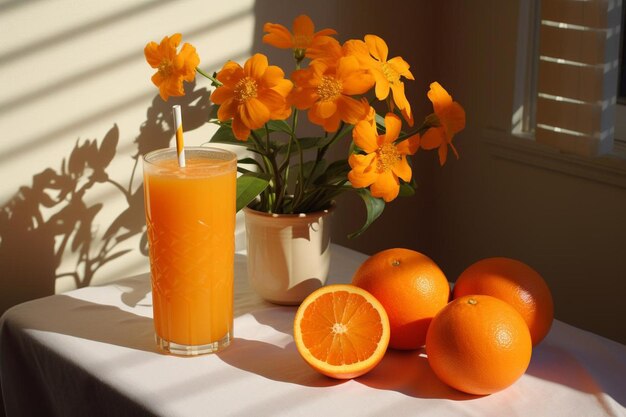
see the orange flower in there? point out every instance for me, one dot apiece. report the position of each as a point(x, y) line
point(448, 119)
point(251, 95)
point(328, 52)
point(325, 92)
point(387, 73)
point(173, 68)
point(303, 37)
point(384, 161)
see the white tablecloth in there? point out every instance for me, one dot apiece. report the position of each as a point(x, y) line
point(91, 352)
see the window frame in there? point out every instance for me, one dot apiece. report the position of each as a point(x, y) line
point(518, 144)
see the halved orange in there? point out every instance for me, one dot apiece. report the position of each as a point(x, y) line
point(341, 331)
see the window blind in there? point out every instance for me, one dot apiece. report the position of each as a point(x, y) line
point(577, 74)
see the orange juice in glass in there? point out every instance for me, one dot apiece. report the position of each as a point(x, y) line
point(190, 216)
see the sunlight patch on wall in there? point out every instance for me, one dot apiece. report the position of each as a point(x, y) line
point(74, 75)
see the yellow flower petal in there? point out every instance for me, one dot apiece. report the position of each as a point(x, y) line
point(332, 123)
point(453, 118)
point(275, 102)
point(443, 153)
point(151, 51)
point(358, 48)
point(174, 40)
point(361, 162)
point(351, 110)
point(354, 79)
point(382, 85)
point(283, 87)
point(221, 94)
point(240, 130)
point(386, 186)
point(325, 109)
point(303, 26)
point(272, 76)
point(254, 113)
point(398, 95)
point(227, 110)
point(255, 66)
point(402, 169)
point(439, 97)
point(278, 36)
point(393, 125)
point(408, 115)
point(362, 178)
point(377, 47)
point(409, 146)
point(433, 138)
point(303, 98)
point(347, 65)
point(365, 136)
point(230, 73)
point(400, 66)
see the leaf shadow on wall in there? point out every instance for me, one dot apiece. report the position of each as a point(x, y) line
point(55, 216)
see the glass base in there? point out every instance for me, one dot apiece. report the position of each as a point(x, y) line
point(192, 350)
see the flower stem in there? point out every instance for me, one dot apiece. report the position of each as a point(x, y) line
point(340, 133)
point(269, 194)
point(419, 131)
point(286, 163)
point(299, 191)
point(210, 77)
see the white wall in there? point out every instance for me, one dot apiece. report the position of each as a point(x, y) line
point(74, 71)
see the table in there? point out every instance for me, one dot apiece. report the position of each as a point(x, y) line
point(91, 352)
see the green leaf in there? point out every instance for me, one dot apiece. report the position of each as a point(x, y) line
point(248, 161)
point(380, 122)
point(337, 171)
point(273, 126)
point(278, 126)
point(312, 170)
point(305, 143)
point(225, 135)
point(374, 207)
point(249, 186)
point(407, 189)
point(243, 170)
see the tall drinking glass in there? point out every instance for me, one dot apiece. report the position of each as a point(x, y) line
point(190, 216)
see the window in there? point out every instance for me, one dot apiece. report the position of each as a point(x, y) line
point(620, 109)
point(564, 91)
point(577, 75)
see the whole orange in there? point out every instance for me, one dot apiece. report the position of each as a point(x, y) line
point(478, 344)
point(517, 284)
point(412, 289)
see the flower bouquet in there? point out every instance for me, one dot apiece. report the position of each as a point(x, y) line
point(337, 85)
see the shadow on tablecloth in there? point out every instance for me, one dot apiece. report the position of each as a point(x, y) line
point(265, 356)
point(581, 361)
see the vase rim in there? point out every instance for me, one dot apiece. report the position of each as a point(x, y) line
point(318, 213)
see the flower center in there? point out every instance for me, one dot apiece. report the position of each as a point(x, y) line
point(391, 74)
point(245, 89)
point(329, 89)
point(388, 156)
point(301, 41)
point(165, 68)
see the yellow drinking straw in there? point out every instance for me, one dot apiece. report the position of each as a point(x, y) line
point(180, 144)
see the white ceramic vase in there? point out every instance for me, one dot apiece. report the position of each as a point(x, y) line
point(288, 254)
